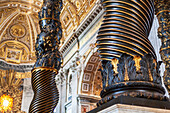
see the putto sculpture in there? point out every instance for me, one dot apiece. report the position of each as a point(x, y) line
point(48, 58)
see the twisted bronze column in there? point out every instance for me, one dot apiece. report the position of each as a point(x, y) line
point(162, 9)
point(48, 59)
point(128, 58)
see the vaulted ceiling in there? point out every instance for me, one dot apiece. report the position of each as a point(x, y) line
point(19, 26)
point(18, 30)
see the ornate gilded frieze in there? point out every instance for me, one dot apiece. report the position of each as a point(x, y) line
point(162, 10)
point(129, 66)
point(73, 13)
point(23, 5)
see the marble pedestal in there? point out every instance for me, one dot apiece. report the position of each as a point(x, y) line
point(133, 105)
point(122, 108)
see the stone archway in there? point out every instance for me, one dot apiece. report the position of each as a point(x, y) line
point(92, 79)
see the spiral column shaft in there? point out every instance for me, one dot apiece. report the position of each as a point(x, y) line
point(48, 60)
point(125, 28)
point(46, 94)
point(129, 65)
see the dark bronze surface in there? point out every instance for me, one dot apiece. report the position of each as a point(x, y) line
point(125, 28)
point(46, 95)
point(129, 81)
point(48, 59)
point(129, 65)
point(51, 32)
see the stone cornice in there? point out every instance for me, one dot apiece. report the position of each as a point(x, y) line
point(84, 24)
point(17, 67)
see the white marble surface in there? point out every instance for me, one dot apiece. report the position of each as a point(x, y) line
point(121, 108)
point(156, 43)
point(27, 95)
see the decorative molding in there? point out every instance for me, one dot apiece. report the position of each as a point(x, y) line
point(24, 5)
point(98, 8)
point(129, 81)
point(17, 67)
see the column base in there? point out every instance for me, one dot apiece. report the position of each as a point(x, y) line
point(133, 105)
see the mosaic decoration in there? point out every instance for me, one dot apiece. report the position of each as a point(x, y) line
point(17, 38)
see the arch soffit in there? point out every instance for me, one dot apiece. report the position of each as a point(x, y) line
point(91, 83)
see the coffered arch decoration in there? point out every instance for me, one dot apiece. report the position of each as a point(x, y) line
point(92, 79)
point(18, 30)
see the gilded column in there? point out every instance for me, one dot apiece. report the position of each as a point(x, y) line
point(162, 9)
point(128, 58)
point(48, 61)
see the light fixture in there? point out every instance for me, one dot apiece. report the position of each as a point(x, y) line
point(10, 92)
point(6, 103)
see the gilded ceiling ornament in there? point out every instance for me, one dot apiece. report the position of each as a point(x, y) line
point(20, 28)
point(16, 52)
point(19, 36)
point(17, 30)
point(1, 17)
point(13, 55)
point(10, 92)
point(78, 4)
point(2, 52)
point(74, 11)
